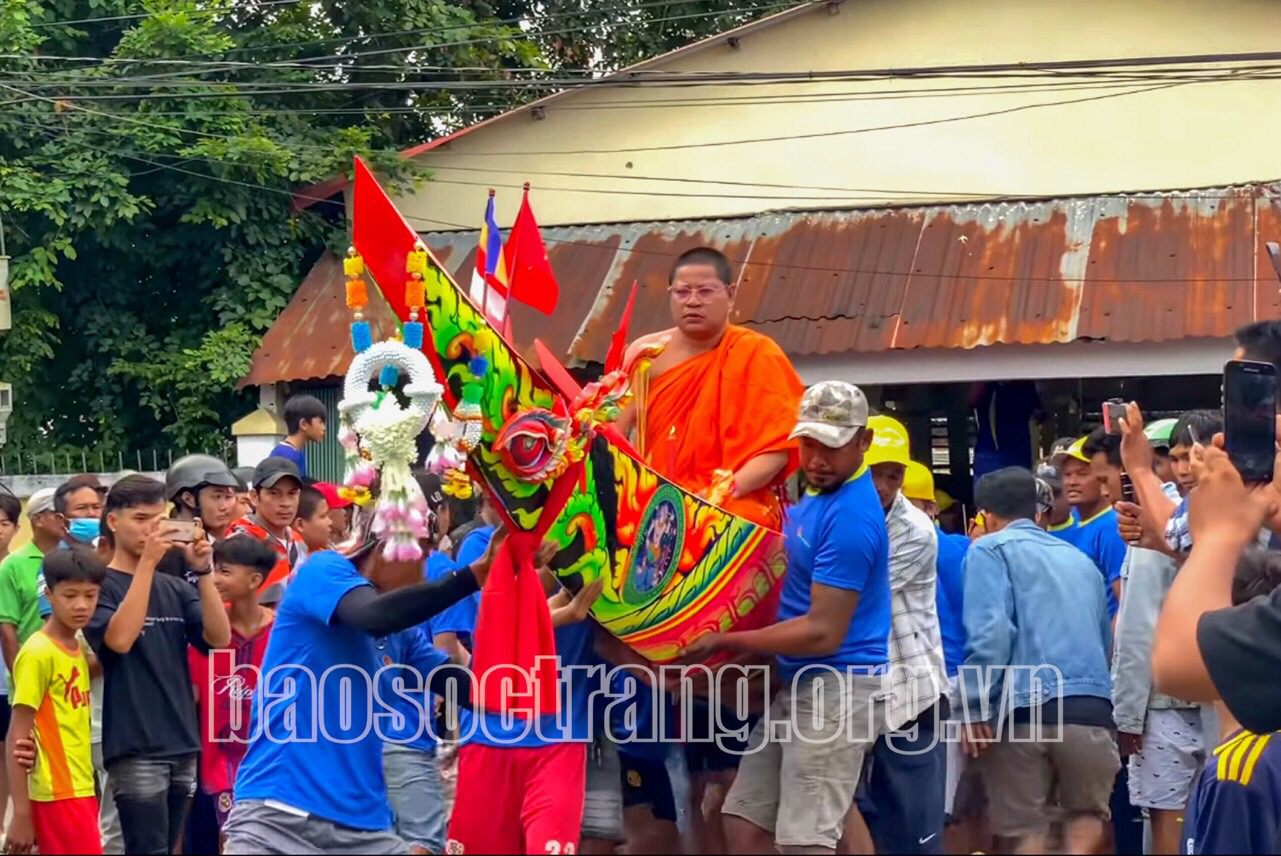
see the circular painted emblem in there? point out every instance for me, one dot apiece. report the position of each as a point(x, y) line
point(224, 802)
point(658, 545)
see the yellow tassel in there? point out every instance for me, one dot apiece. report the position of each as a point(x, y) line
point(353, 265)
point(416, 262)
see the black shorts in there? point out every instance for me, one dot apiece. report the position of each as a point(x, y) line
point(714, 746)
point(6, 714)
point(647, 783)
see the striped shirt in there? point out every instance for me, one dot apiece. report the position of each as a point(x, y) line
point(917, 672)
point(1235, 805)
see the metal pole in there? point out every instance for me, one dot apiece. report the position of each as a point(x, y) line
point(139, 454)
point(155, 462)
point(84, 463)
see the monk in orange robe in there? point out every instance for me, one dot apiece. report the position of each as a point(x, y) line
point(714, 403)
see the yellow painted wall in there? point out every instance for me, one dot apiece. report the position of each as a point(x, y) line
point(1186, 136)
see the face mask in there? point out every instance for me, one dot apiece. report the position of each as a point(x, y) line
point(83, 529)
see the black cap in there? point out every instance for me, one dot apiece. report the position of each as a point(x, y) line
point(432, 488)
point(273, 469)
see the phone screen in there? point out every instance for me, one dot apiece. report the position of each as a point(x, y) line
point(182, 531)
point(1249, 418)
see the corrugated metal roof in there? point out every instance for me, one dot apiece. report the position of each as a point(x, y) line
point(1125, 268)
point(311, 338)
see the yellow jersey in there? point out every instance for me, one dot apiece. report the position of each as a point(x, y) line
point(54, 682)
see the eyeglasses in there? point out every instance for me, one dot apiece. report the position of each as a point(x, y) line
point(704, 293)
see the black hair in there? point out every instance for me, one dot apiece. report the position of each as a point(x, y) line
point(1261, 341)
point(11, 507)
point(1258, 572)
point(72, 566)
point(1101, 441)
point(133, 491)
point(703, 256)
point(247, 551)
point(1203, 423)
point(309, 500)
point(64, 491)
point(1009, 493)
point(105, 533)
point(302, 408)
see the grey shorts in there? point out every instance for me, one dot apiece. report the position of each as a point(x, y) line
point(255, 827)
point(603, 802)
point(1080, 760)
point(1163, 772)
point(804, 758)
point(414, 792)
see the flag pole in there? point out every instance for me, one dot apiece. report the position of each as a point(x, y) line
point(484, 298)
point(511, 265)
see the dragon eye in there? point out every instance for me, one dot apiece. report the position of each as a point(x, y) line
point(528, 451)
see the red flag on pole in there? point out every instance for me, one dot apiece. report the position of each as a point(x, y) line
point(529, 272)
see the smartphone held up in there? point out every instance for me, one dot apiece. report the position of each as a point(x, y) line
point(1113, 415)
point(1250, 418)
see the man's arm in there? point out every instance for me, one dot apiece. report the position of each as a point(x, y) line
point(453, 647)
point(9, 644)
point(213, 615)
point(8, 616)
point(988, 613)
point(759, 472)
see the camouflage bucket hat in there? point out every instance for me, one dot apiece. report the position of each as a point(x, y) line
point(831, 412)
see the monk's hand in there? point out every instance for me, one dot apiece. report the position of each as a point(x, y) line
point(576, 609)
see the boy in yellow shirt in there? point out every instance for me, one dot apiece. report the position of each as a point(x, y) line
point(57, 811)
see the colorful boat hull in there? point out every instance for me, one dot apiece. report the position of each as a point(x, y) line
point(674, 567)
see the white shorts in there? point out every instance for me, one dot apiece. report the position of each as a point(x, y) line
point(1174, 746)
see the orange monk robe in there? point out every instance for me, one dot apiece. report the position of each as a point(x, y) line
point(719, 410)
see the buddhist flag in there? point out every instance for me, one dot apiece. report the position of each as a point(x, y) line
point(529, 272)
point(489, 280)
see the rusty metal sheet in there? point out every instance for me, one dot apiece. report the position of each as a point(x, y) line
point(311, 338)
point(1124, 268)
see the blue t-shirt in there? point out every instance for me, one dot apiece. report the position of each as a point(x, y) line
point(461, 617)
point(1066, 531)
point(580, 678)
point(284, 450)
point(1099, 539)
point(405, 708)
point(839, 539)
point(950, 598)
point(316, 689)
point(1236, 804)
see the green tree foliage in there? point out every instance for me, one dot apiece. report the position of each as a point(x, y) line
point(149, 152)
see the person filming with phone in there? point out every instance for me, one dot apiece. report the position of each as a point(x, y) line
point(141, 628)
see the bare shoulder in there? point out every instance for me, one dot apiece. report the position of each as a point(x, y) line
point(650, 340)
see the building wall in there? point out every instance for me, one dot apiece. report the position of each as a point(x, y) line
point(1190, 135)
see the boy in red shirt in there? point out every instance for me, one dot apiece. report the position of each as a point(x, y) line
point(225, 679)
point(277, 487)
point(55, 807)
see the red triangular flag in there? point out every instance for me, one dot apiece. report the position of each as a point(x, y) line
point(618, 344)
point(529, 272)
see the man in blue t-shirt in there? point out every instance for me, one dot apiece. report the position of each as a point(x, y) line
point(406, 662)
point(305, 421)
point(1092, 481)
point(312, 779)
point(831, 641)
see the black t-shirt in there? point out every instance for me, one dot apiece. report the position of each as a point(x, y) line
point(148, 709)
point(1075, 710)
point(1241, 647)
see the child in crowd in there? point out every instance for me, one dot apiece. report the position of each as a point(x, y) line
point(339, 512)
point(57, 810)
point(1236, 805)
point(225, 680)
point(313, 523)
point(305, 422)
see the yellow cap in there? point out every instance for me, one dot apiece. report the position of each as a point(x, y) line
point(918, 482)
point(943, 500)
point(1077, 450)
point(889, 442)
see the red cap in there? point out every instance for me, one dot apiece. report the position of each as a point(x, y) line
point(331, 495)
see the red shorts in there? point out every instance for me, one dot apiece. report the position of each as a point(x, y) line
point(66, 826)
point(511, 800)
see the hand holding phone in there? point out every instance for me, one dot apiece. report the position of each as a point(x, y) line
point(1113, 415)
point(1250, 418)
point(180, 531)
